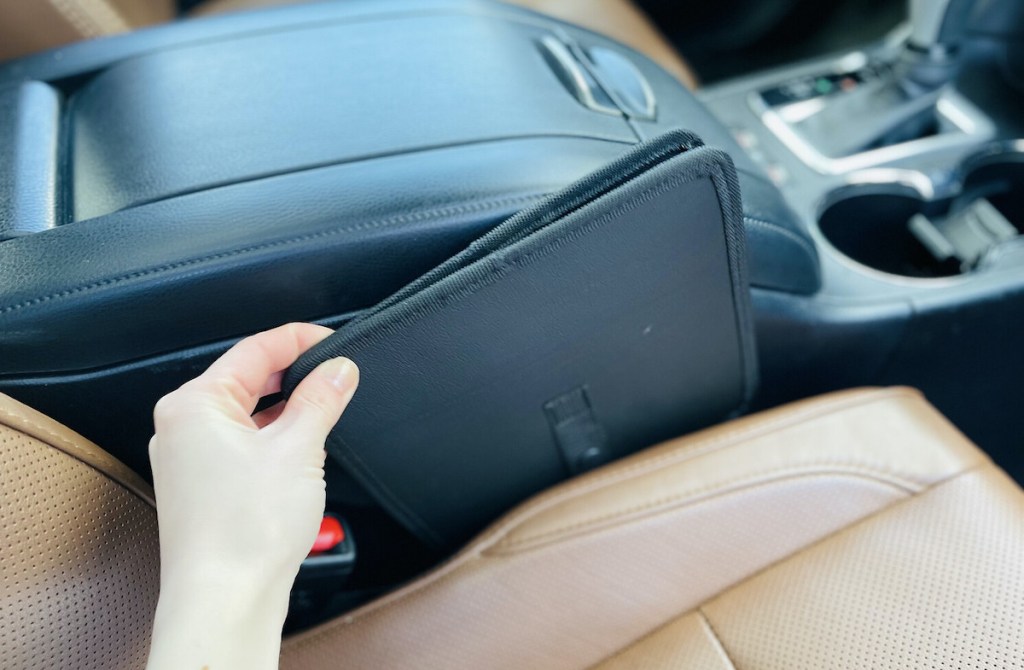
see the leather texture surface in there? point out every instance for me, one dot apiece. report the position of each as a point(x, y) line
point(475, 80)
point(27, 26)
point(29, 135)
point(293, 247)
point(936, 581)
point(79, 556)
point(634, 565)
point(456, 358)
point(304, 223)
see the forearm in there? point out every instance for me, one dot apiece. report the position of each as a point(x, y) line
point(218, 622)
point(240, 496)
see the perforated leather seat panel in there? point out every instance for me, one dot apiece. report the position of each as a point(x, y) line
point(79, 560)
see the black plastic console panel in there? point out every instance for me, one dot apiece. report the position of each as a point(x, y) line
point(219, 176)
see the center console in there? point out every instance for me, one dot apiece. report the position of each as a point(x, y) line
point(903, 162)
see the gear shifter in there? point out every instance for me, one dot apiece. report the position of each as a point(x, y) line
point(931, 54)
point(901, 105)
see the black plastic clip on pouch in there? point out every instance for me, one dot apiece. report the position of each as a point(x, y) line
point(610, 316)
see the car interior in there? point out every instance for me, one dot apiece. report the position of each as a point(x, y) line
point(689, 333)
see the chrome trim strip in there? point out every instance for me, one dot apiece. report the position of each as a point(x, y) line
point(973, 126)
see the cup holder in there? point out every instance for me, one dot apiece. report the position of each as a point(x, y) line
point(871, 223)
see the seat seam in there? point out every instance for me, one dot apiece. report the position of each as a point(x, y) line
point(454, 567)
point(716, 638)
point(699, 609)
point(426, 215)
point(820, 541)
point(726, 439)
point(690, 452)
point(699, 495)
point(102, 462)
point(458, 563)
point(706, 624)
point(865, 519)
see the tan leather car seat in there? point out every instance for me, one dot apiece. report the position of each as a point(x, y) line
point(855, 530)
point(27, 26)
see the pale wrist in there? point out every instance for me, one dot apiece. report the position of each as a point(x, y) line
point(218, 618)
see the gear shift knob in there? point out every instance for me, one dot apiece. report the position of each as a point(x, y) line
point(937, 24)
point(930, 59)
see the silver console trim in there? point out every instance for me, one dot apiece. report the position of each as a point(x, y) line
point(972, 127)
point(912, 179)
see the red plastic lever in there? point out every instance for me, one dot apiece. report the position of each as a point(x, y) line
point(331, 534)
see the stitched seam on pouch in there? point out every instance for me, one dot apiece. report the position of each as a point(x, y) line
point(380, 223)
point(696, 496)
point(528, 257)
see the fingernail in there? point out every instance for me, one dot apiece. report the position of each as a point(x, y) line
point(340, 372)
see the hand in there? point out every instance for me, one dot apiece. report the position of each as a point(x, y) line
point(240, 497)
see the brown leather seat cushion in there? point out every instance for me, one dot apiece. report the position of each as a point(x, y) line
point(854, 530)
point(79, 556)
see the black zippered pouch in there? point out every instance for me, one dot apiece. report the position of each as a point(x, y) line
point(611, 316)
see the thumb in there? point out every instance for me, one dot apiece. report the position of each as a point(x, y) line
point(319, 400)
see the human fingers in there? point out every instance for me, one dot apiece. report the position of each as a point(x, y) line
point(249, 369)
point(319, 400)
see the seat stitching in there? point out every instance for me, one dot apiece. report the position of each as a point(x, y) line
point(699, 610)
point(827, 538)
point(80, 22)
point(699, 448)
point(379, 223)
point(101, 461)
point(452, 570)
point(716, 639)
point(97, 19)
point(59, 440)
point(737, 484)
point(830, 536)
